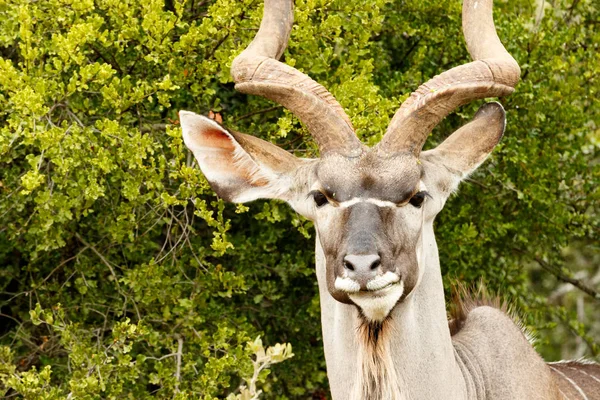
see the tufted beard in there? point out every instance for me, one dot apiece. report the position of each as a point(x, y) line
point(377, 378)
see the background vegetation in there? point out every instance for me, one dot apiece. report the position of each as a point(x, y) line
point(123, 276)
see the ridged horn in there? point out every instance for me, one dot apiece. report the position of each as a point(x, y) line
point(257, 71)
point(494, 73)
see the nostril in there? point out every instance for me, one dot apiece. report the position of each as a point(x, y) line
point(362, 263)
point(348, 265)
point(375, 264)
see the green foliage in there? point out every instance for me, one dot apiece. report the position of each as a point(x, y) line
point(123, 276)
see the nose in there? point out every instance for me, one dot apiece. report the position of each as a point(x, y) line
point(362, 267)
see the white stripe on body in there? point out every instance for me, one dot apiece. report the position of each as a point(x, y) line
point(572, 382)
point(585, 373)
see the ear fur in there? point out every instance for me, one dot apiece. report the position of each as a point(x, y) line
point(463, 151)
point(239, 167)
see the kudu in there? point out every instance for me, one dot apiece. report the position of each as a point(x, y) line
point(385, 328)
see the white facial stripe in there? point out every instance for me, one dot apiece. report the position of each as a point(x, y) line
point(381, 203)
point(356, 200)
point(377, 308)
point(347, 285)
point(351, 202)
point(382, 281)
point(377, 202)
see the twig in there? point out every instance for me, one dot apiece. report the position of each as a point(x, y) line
point(219, 43)
point(578, 283)
point(162, 357)
point(150, 128)
point(266, 110)
point(113, 63)
point(476, 182)
point(178, 370)
point(63, 263)
point(112, 271)
point(571, 10)
point(104, 260)
point(556, 271)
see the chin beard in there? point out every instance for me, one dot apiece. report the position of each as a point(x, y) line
point(376, 306)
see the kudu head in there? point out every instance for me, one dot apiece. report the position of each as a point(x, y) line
point(369, 205)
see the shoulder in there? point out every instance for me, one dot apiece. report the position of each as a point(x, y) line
point(497, 350)
point(491, 328)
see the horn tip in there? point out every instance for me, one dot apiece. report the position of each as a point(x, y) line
point(490, 110)
point(494, 116)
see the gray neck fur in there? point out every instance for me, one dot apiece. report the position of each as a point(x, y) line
point(412, 356)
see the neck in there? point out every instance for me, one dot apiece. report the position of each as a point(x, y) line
point(412, 356)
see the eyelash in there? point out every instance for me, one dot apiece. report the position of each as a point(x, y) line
point(418, 199)
point(319, 198)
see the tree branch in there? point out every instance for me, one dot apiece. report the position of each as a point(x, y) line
point(264, 110)
point(112, 271)
point(178, 370)
point(557, 272)
point(578, 283)
point(101, 257)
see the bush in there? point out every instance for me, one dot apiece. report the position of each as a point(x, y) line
point(123, 276)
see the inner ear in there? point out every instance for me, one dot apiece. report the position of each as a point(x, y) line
point(238, 167)
point(469, 146)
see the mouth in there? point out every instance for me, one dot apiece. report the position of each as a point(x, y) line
point(378, 293)
point(376, 305)
point(377, 297)
point(382, 282)
point(378, 290)
point(375, 286)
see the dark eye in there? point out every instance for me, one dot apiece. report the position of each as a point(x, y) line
point(418, 199)
point(320, 198)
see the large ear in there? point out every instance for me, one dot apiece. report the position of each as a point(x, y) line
point(462, 152)
point(239, 167)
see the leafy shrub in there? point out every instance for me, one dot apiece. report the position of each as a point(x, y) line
point(122, 276)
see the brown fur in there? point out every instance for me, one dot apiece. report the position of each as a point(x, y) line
point(377, 378)
point(576, 379)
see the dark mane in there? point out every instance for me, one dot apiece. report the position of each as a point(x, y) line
point(464, 300)
point(371, 332)
point(377, 378)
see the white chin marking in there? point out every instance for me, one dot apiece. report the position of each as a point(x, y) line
point(347, 285)
point(376, 306)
